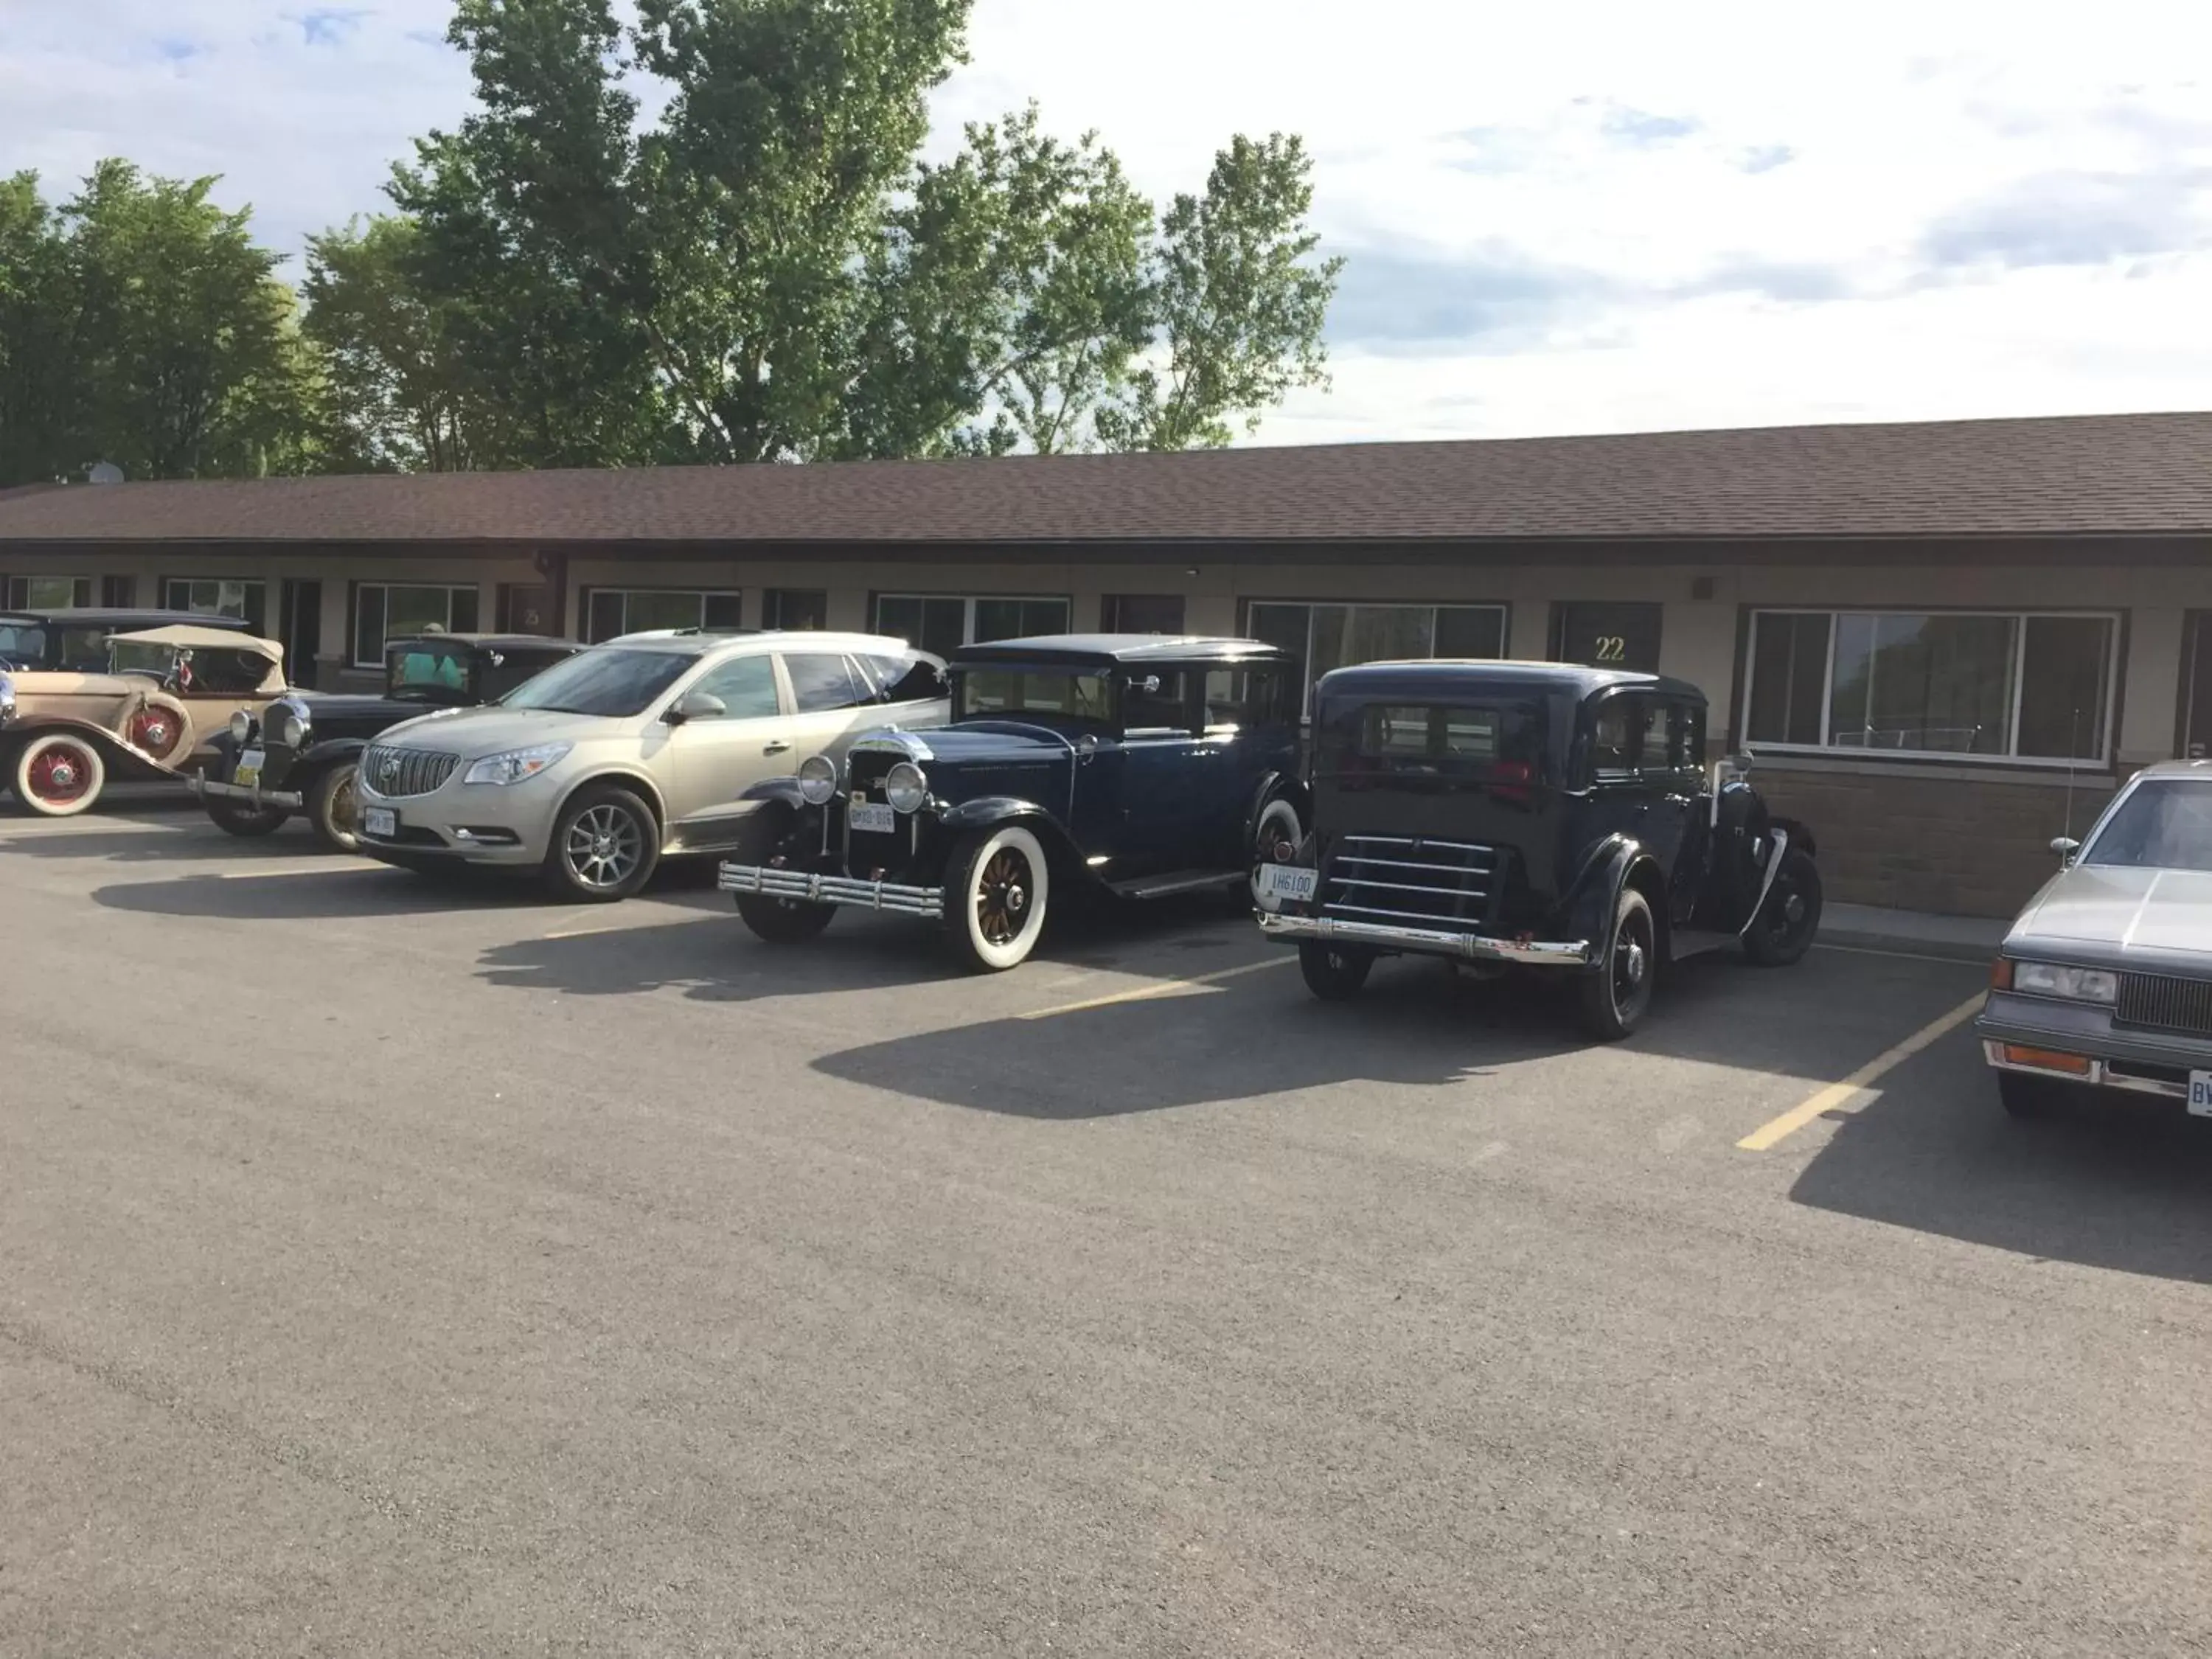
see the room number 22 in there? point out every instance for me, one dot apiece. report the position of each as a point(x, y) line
point(1611, 647)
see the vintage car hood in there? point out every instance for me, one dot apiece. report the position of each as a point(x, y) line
point(2104, 910)
point(493, 728)
point(977, 743)
point(337, 713)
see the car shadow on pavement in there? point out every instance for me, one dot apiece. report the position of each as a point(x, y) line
point(159, 842)
point(2116, 1185)
point(346, 889)
point(1263, 1033)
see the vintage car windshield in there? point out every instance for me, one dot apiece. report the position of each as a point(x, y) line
point(610, 682)
point(1478, 741)
point(422, 671)
point(22, 645)
point(1085, 696)
point(2164, 825)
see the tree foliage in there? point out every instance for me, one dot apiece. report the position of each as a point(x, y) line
point(143, 326)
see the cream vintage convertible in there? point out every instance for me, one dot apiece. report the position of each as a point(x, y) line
point(63, 735)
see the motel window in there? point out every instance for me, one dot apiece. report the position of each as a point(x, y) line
point(1326, 636)
point(1141, 613)
point(795, 607)
point(611, 612)
point(1993, 685)
point(48, 592)
point(390, 610)
point(247, 601)
point(941, 624)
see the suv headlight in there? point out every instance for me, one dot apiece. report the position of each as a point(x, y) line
point(242, 728)
point(818, 780)
point(2048, 979)
point(906, 787)
point(7, 700)
point(515, 764)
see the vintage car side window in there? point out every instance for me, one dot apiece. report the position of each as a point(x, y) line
point(1616, 730)
point(1469, 740)
point(84, 650)
point(822, 683)
point(1238, 697)
point(512, 669)
point(1672, 739)
point(1154, 701)
point(747, 685)
point(983, 692)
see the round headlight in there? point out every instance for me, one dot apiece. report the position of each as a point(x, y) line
point(242, 728)
point(293, 725)
point(7, 700)
point(818, 780)
point(905, 788)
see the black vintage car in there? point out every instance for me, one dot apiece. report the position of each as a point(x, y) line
point(1533, 814)
point(75, 641)
point(303, 754)
point(1141, 764)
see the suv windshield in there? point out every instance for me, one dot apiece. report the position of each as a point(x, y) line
point(609, 681)
point(1477, 741)
point(1058, 694)
point(2165, 825)
point(423, 671)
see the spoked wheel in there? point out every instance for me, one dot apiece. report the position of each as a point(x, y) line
point(1332, 972)
point(995, 892)
point(1615, 994)
point(1782, 930)
point(334, 808)
point(159, 731)
point(605, 846)
point(59, 777)
point(1274, 841)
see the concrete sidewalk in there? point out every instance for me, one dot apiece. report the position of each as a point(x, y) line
point(1968, 939)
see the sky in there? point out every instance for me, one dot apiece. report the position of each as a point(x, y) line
point(1597, 216)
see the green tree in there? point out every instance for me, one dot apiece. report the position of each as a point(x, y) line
point(41, 413)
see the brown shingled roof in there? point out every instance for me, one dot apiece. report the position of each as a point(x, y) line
point(2084, 475)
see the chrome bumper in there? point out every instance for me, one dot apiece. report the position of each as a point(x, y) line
point(290, 800)
point(2101, 1074)
point(808, 887)
point(1431, 941)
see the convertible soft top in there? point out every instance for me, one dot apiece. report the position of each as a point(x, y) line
point(206, 639)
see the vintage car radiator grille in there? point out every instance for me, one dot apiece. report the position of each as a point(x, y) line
point(868, 850)
point(2162, 1002)
point(401, 772)
point(1395, 879)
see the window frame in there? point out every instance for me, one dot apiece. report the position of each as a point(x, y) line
point(2115, 657)
point(170, 583)
point(702, 594)
point(772, 602)
point(969, 600)
point(18, 591)
point(1503, 607)
point(353, 615)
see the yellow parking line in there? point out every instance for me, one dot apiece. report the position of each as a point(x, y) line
point(1770, 1135)
point(1162, 988)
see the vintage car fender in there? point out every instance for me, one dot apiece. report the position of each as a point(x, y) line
point(112, 747)
point(317, 755)
point(780, 789)
point(1595, 894)
point(1801, 838)
point(1291, 788)
point(987, 811)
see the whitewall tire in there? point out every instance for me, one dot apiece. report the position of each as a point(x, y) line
point(995, 895)
point(1279, 823)
point(60, 774)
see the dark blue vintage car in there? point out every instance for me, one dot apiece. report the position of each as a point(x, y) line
point(1141, 764)
point(1533, 814)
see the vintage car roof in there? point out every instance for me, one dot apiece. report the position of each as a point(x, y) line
point(209, 638)
point(489, 641)
point(1101, 648)
point(1440, 673)
point(116, 617)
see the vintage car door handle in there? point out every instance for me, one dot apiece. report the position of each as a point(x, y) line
point(779, 746)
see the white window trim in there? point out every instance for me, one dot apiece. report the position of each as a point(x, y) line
point(2102, 758)
point(969, 601)
point(1502, 612)
point(353, 622)
point(702, 594)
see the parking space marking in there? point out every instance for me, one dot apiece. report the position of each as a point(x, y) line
point(327, 867)
point(1770, 1135)
point(1168, 988)
point(1900, 956)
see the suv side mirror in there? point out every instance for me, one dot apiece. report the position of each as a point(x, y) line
point(2066, 847)
point(697, 705)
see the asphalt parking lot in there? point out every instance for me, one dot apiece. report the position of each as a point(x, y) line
point(393, 1268)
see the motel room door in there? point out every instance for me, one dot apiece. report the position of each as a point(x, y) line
point(1614, 635)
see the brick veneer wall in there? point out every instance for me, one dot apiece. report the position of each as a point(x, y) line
point(1954, 847)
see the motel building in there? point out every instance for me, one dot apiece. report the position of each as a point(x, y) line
point(1941, 644)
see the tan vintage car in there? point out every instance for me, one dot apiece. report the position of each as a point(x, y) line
point(65, 733)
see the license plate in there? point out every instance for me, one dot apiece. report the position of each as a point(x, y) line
point(380, 821)
point(2200, 1094)
point(247, 772)
point(1283, 881)
point(872, 817)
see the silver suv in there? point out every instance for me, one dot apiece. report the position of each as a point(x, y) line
point(597, 768)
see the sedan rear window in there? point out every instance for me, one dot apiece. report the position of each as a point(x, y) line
point(609, 681)
point(1475, 740)
point(2164, 825)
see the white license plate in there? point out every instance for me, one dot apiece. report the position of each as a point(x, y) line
point(1284, 881)
point(380, 821)
point(2200, 1094)
point(872, 817)
point(247, 772)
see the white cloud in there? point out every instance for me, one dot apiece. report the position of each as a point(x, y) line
point(1582, 217)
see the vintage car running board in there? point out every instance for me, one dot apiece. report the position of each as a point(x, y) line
point(1176, 881)
point(1685, 942)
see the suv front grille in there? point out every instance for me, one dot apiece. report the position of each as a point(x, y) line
point(397, 773)
point(1395, 878)
point(2163, 1002)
